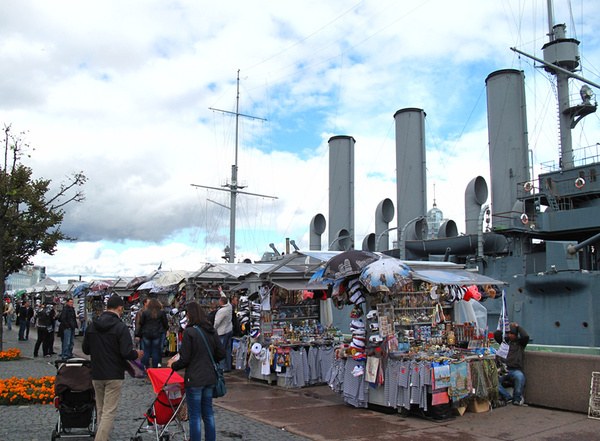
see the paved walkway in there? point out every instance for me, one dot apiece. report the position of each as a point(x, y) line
point(253, 410)
point(35, 422)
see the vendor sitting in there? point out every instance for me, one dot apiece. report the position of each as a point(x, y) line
point(517, 339)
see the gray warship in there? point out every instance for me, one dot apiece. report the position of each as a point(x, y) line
point(538, 235)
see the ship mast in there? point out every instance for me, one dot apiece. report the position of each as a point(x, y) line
point(561, 58)
point(233, 187)
point(557, 36)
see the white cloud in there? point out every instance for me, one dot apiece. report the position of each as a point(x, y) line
point(122, 92)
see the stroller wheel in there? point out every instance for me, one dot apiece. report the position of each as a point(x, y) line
point(54, 434)
point(165, 438)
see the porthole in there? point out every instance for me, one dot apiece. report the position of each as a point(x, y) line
point(557, 324)
point(585, 324)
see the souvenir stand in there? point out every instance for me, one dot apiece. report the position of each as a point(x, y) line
point(418, 345)
point(271, 309)
point(287, 343)
point(94, 305)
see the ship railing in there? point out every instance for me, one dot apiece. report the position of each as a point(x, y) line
point(582, 156)
point(512, 220)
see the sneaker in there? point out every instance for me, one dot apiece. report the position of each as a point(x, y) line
point(521, 402)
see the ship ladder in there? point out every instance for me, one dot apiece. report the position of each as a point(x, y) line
point(552, 199)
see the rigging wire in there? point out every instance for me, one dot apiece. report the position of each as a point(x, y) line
point(307, 37)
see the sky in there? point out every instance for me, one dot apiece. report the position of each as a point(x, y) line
point(139, 96)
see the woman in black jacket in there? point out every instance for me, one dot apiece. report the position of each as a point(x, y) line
point(153, 325)
point(200, 376)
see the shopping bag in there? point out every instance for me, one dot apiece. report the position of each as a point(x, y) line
point(135, 368)
point(182, 412)
point(372, 367)
point(219, 389)
point(503, 350)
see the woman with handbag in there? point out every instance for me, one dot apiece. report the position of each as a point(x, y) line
point(200, 350)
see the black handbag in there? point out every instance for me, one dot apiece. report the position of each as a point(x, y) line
point(219, 389)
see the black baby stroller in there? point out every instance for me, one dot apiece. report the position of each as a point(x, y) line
point(74, 399)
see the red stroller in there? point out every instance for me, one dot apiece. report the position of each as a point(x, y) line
point(170, 397)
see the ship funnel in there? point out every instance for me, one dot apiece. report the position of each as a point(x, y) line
point(317, 228)
point(384, 214)
point(476, 194)
point(447, 229)
point(507, 132)
point(341, 191)
point(410, 165)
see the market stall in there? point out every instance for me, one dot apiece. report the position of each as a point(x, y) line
point(286, 342)
point(418, 337)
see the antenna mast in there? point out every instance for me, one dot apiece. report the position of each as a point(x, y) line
point(232, 186)
point(561, 59)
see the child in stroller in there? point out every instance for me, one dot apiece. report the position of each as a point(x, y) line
point(74, 398)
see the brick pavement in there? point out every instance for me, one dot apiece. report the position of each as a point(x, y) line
point(253, 410)
point(35, 422)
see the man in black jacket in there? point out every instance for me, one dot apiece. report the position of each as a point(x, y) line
point(68, 325)
point(45, 328)
point(109, 343)
point(25, 314)
point(517, 339)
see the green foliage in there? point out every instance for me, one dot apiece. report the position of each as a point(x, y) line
point(30, 218)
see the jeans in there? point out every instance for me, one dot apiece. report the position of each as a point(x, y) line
point(199, 401)
point(9, 321)
point(68, 341)
point(108, 394)
point(152, 346)
point(226, 342)
point(518, 379)
point(24, 330)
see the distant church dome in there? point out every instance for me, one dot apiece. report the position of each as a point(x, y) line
point(435, 217)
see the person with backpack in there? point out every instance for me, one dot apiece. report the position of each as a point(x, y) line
point(45, 329)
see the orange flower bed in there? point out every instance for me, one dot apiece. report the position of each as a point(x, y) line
point(11, 354)
point(18, 391)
